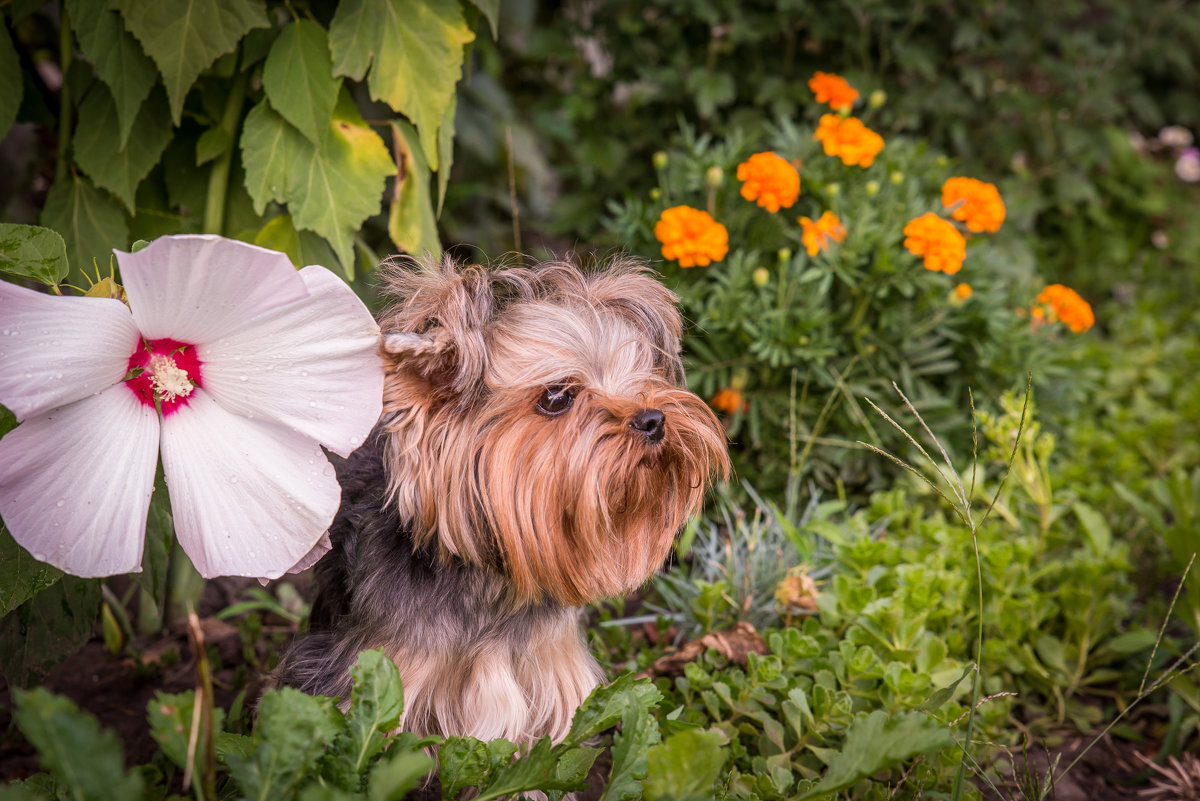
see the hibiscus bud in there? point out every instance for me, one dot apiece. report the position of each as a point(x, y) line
point(872, 188)
point(761, 277)
point(877, 98)
point(714, 177)
point(659, 159)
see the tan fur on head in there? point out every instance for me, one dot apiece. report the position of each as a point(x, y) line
point(574, 507)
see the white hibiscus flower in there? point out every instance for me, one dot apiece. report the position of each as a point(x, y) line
point(243, 368)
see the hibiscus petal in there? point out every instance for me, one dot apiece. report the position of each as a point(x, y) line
point(250, 497)
point(312, 365)
point(194, 288)
point(75, 483)
point(56, 350)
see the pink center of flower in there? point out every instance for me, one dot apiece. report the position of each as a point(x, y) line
point(167, 372)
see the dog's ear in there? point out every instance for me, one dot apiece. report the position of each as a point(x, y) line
point(435, 329)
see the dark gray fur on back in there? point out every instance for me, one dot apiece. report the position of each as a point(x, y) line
point(376, 591)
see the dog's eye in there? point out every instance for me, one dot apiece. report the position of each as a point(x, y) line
point(556, 400)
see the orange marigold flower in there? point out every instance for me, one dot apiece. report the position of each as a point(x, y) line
point(770, 180)
point(938, 241)
point(976, 203)
point(833, 89)
point(1061, 303)
point(729, 401)
point(963, 291)
point(817, 234)
point(691, 237)
point(848, 139)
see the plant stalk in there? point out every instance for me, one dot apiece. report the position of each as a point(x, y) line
point(218, 179)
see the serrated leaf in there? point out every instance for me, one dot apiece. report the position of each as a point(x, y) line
point(117, 57)
point(31, 251)
point(491, 12)
point(184, 37)
point(290, 738)
point(298, 78)
point(411, 223)
point(270, 146)
point(82, 757)
point(415, 52)
point(878, 742)
point(462, 762)
point(21, 576)
point(376, 701)
point(391, 779)
point(119, 171)
point(606, 705)
point(538, 769)
point(12, 86)
point(90, 223)
point(335, 192)
point(684, 766)
point(170, 719)
point(302, 247)
point(639, 731)
point(47, 628)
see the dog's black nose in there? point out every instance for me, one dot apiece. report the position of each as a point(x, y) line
point(650, 422)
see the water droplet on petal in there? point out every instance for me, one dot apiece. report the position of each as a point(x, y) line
point(243, 377)
point(303, 372)
point(310, 403)
point(60, 502)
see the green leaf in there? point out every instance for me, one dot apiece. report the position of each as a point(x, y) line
point(639, 731)
point(463, 762)
point(935, 701)
point(491, 11)
point(117, 57)
point(11, 84)
point(184, 37)
point(290, 738)
point(302, 247)
point(376, 701)
point(445, 152)
point(270, 146)
point(156, 556)
point(1095, 527)
point(411, 223)
point(415, 52)
point(89, 221)
point(685, 765)
point(403, 770)
point(119, 171)
point(31, 251)
point(298, 78)
point(211, 144)
point(48, 627)
point(608, 704)
point(170, 719)
point(878, 742)
point(82, 757)
point(21, 576)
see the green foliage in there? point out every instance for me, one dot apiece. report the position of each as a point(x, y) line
point(50, 625)
point(27, 251)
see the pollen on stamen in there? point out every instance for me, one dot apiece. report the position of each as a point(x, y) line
point(170, 381)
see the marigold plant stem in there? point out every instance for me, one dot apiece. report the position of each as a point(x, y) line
point(218, 179)
point(66, 50)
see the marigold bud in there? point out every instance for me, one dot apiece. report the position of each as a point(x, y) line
point(655, 193)
point(761, 277)
point(896, 177)
point(714, 177)
point(833, 189)
point(877, 98)
point(659, 159)
point(872, 188)
point(785, 255)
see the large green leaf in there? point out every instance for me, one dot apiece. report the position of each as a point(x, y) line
point(302, 247)
point(184, 37)
point(47, 628)
point(298, 78)
point(639, 731)
point(96, 151)
point(411, 222)
point(878, 742)
point(85, 759)
point(330, 189)
point(21, 576)
point(376, 702)
point(31, 251)
point(117, 57)
point(89, 221)
point(685, 765)
point(414, 49)
point(11, 85)
point(491, 11)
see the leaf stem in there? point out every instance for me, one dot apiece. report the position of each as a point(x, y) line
point(66, 50)
point(218, 179)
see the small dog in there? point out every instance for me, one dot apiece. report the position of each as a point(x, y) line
point(536, 452)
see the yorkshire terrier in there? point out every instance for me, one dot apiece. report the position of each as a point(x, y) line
point(536, 452)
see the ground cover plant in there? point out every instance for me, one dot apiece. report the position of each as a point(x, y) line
point(942, 304)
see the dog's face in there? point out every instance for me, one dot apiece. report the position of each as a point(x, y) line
point(538, 426)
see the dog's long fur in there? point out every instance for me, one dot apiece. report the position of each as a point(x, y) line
point(474, 522)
